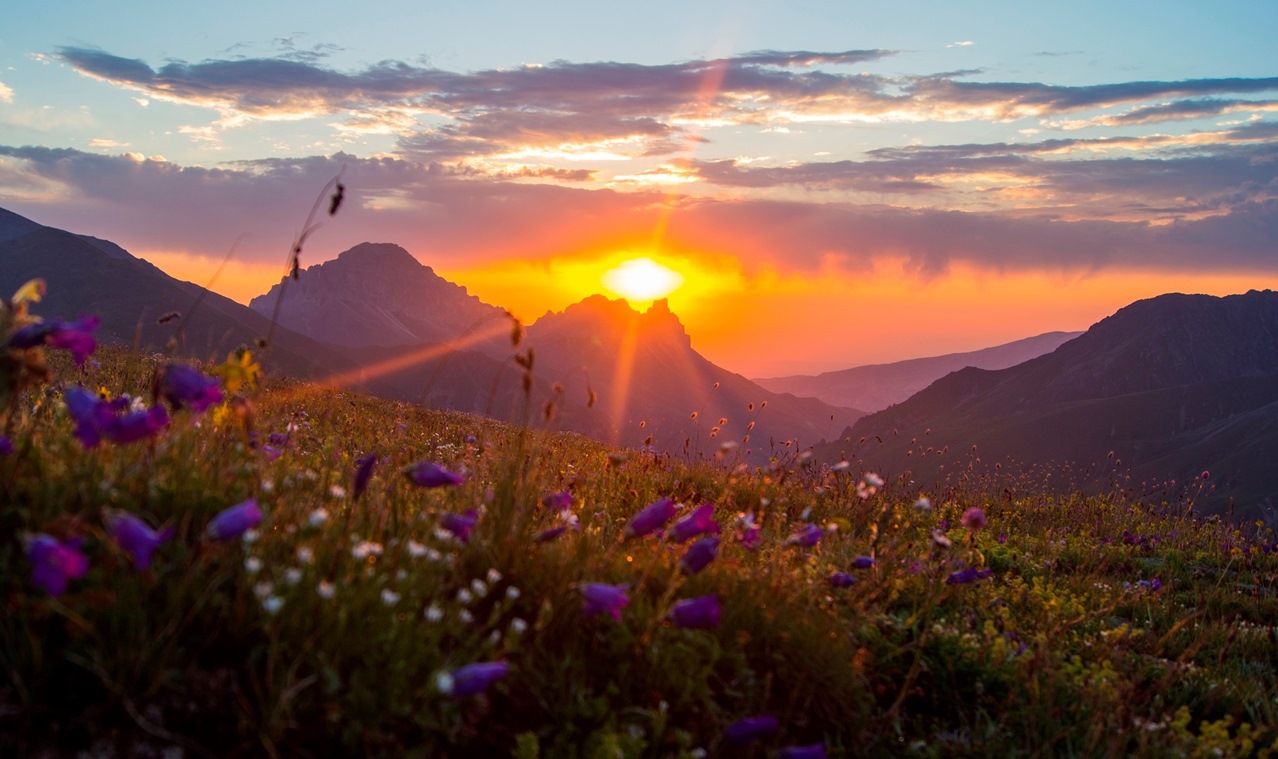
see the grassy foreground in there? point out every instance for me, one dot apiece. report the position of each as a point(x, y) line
point(864, 619)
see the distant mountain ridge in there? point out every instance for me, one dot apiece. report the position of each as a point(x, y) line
point(1163, 389)
point(874, 387)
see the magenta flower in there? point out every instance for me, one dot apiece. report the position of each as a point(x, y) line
point(601, 598)
point(76, 336)
point(699, 555)
point(863, 562)
point(54, 563)
point(749, 537)
point(427, 474)
point(96, 419)
point(699, 522)
point(973, 519)
point(971, 574)
point(815, 751)
point(473, 679)
point(651, 518)
point(460, 525)
point(841, 580)
point(363, 473)
point(136, 538)
point(1206, 474)
point(232, 523)
point(184, 387)
point(694, 613)
point(750, 729)
point(561, 501)
point(807, 536)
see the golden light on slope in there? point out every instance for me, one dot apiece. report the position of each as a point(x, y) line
point(642, 280)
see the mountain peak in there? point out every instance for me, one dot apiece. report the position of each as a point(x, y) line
point(379, 254)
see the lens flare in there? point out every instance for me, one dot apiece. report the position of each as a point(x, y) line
point(642, 279)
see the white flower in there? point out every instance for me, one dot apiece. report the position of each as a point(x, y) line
point(389, 597)
point(252, 565)
point(433, 613)
point(923, 504)
point(251, 536)
point(464, 596)
point(518, 626)
point(494, 576)
point(305, 555)
point(272, 604)
point(263, 589)
point(479, 587)
point(444, 682)
point(268, 487)
point(336, 491)
point(512, 593)
point(873, 480)
point(939, 538)
point(365, 549)
point(318, 517)
point(292, 575)
point(839, 467)
point(325, 589)
point(465, 616)
point(415, 549)
point(494, 638)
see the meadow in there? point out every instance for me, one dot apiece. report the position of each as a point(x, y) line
point(199, 561)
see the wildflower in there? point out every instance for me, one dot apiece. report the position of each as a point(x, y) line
point(601, 598)
point(748, 536)
point(6, 445)
point(427, 474)
point(749, 729)
point(292, 575)
point(841, 580)
point(518, 626)
point(699, 612)
point(815, 751)
point(459, 525)
point(480, 587)
point(873, 480)
point(433, 613)
point(317, 517)
point(184, 387)
point(561, 501)
point(305, 554)
point(336, 492)
point(363, 473)
point(415, 549)
point(464, 596)
point(971, 574)
point(941, 540)
point(493, 575)
point(923, 504)
point(263, 589)
point(512, 593)
point(55, 562)
point(136, 538)
point(325, 589)
point(232, 523)
point(973, 519)
point(864, 562)
point(138, 425)
point(807, 536)
point(1206, 474)
point(545, 536)
point(699, 555)
point(272, 604)
point(651, 518)
point(699, 522)
point(366, 548)
point(252, 565)
point(389, 597)
point(465, 616)
point(75, 337)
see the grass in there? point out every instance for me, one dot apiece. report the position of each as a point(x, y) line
point(1106, 627)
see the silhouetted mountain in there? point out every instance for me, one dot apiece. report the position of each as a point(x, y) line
point(645, 372)
point(378, 294)
point(876, 386)
point(1164, 389)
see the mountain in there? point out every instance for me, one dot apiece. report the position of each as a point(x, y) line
point(876, 386)
point(379, 294)
point(649, 383)
point(130, 296)
point(1162, 390)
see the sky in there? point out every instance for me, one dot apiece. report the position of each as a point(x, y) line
point(833, 183)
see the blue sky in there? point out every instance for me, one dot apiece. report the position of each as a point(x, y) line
point(972, 157)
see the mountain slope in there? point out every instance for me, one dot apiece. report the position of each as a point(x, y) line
point(876, 386)
point(379, 294)
point(1162, 390)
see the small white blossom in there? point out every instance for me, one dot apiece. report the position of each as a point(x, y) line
point(479, 587)
point(365, 549)
point(465, 616)
point(305, 555)
point(518, 626)
point(336, 491)
point(415, 549)
point(494, 638)
point(389, 597)
point(444, 682)
point(252, 565)
point(318, 517)
point(512, 593)
point(251, 536)
point(433, 613)
point(272, 604)
point(292, 575)
point(464, 596)
point(494, 576)
point(268, 487)
point(325, 589)
point(263, 589)
point(923, 504)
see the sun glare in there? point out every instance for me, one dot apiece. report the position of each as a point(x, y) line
point(641, 280)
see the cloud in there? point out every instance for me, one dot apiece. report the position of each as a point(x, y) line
point(6, 93)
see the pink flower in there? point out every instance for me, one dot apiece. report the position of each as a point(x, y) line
point(973, 519)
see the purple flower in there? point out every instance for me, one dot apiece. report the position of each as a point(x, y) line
point(278, 439)
point(184, 387)
point(96, 419)
point(232, 523)
point(815, 751)
point(699, 612)
point(749, 537)
point(971, 574)
point(548, 535)
point(561, 501)
point(363, 473)
point(699, 522)
point(841, 580)
point(601, 598)
point(750, 729)
point(473, 679)
point(6, 445)
point(806, 537)
point(75, 336)
point(460, 525)
point(863, 562)
point(699, 555)
point(137, 539)
point(136, 426)
point(973, 519)
point(90, 413)
point(54, 563)
point(651, 519)
point(427, 474)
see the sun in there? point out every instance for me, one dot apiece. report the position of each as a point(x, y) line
point(641, 280)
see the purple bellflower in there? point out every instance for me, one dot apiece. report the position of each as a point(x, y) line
point(971, 574)
point(561, 501)
point(699, 522)
point(841, 580)
point(54, 563)
point(460, 525)
point(427, 474)
point(699, 555)
point(750, 729)
point(864, 562)
point(602, 598)
point(694, 613)
point(815, 751)
point(184, 387)
point(75, 337)
point(651, 518)
point(232, 523)
point(807, 536)
point(364, 466)
point(473, 679)
point(136, 538)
